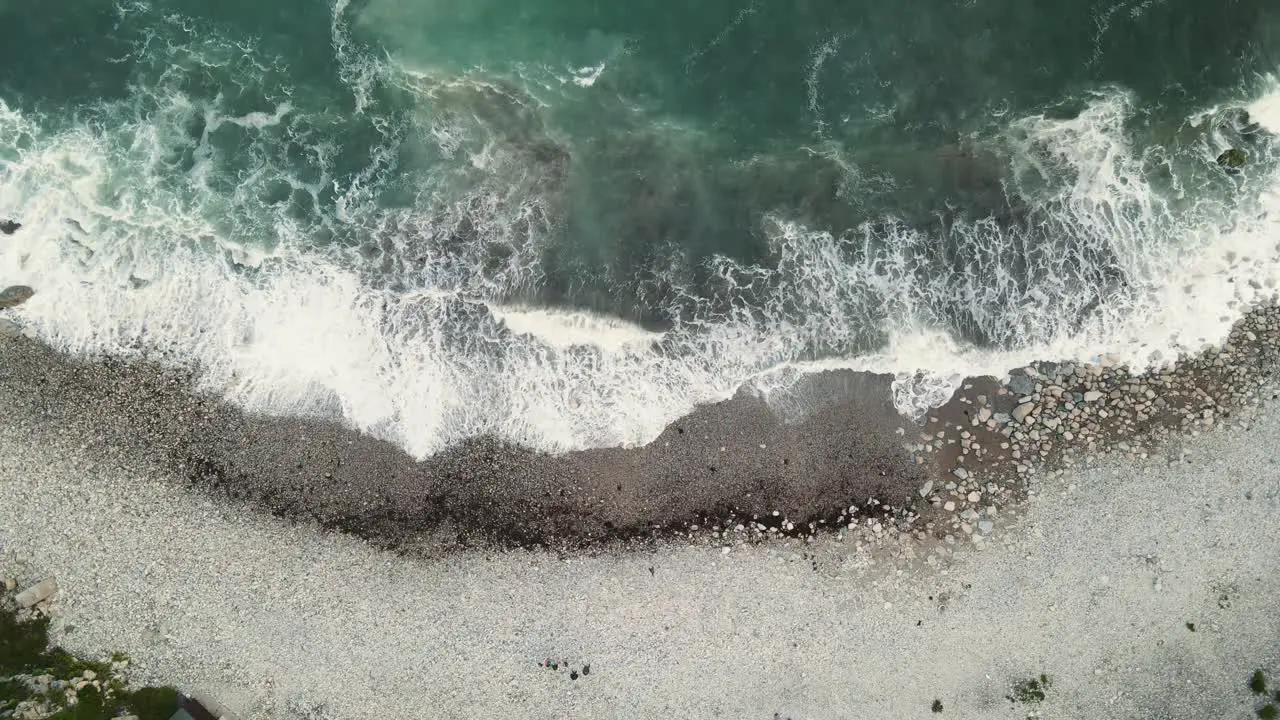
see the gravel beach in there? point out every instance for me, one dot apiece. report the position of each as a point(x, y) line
point(1139, 575)
point(734, 458)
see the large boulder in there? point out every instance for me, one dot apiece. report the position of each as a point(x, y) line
point(1232, 159)
point(37, 593)
point(15, 295)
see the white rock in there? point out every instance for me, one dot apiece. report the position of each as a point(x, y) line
point(985, 526)
point(975, 496)
point(1021, 412)
point(926, 488)
point(36, 593)
point(961, 473)
point(1092, 396)
point(984, 415)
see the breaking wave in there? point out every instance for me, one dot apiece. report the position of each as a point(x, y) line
point(406, 247)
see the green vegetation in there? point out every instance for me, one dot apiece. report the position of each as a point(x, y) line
point(25, 651)
point(1258, 686)
point(1030, 692)
point(21, 644)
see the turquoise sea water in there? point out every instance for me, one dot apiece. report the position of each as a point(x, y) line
point(566, 223)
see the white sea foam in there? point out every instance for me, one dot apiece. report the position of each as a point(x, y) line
point(587, 76)
point(170, 268)
point(1266, 109)
point(566, 328)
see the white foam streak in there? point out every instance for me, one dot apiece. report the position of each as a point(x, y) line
point(587, 76)
point(1266, 109)
point(564, 328)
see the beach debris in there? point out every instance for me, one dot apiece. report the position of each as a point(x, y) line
point(1232, 159)
point(15, 295)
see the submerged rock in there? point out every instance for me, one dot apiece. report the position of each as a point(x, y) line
point(1232, 159)
point(9, 227)
point(15, 295)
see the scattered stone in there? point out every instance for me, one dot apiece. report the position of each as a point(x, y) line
point(39, 592)
point(15, 295)
point(1023, 411)
point(926, 488)
point(1020, 384)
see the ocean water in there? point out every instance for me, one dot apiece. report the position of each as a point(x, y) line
point(566, 224)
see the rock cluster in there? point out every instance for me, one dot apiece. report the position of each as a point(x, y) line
point(990, 443)
point(1050, 415)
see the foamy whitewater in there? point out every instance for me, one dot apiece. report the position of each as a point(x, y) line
point(147, 231)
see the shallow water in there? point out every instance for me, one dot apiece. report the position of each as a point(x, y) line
point(567, 224)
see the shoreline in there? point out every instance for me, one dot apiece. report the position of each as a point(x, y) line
point(733, 458)
point(726, 474)
point(1142, 589)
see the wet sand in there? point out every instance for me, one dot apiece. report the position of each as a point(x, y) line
point(729, 462)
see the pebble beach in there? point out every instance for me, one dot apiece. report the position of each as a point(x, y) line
point(1112, 531)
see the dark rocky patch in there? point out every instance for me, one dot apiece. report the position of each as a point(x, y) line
point(485, 492)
